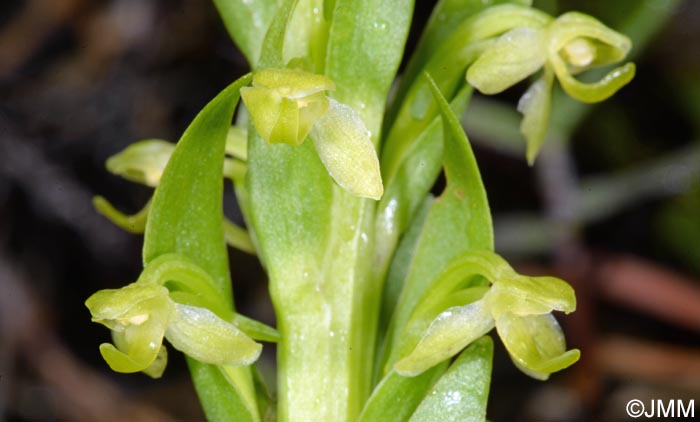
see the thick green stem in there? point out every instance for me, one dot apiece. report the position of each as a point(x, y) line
point(327, 319)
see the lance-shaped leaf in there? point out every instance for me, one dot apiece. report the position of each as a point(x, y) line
point(345, 148)
point(396, 397)
point(186, 217)
point(458, 221)
point(462, 392)
point(247, 22)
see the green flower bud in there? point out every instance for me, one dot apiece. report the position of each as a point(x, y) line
point(286, 105)
point(142, 162)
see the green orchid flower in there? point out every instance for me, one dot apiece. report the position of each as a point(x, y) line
point(518, 306)
point(144, 161)
point(142, 313)
point(568, 45)
point(287, 105)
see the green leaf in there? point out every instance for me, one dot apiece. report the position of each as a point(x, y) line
point(229, 402)
point(365, 47)
point(255, 329)
point(273, 44)
point(462, 392)
point(247, 22)
point(417, 173)
point(401, 262)
point(458, 221)
point(186, 217)
point(396, 397)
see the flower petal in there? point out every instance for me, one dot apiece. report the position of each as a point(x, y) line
point(516, 55)
point(450, 332)
point(345, 148)
point(536, 344)
point(199, 333)
point(535, 105)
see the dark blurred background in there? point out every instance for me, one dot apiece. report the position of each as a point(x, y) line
point(612, 205)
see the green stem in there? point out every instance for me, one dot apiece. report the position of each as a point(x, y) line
point(328, 311)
